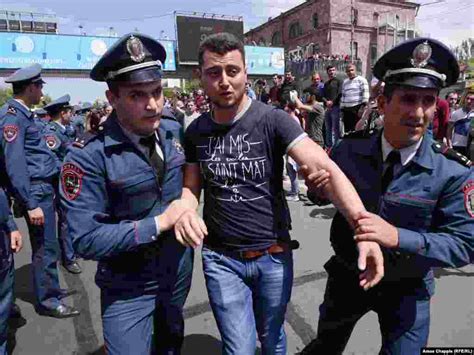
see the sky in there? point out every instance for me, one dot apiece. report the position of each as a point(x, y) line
point(450, 21)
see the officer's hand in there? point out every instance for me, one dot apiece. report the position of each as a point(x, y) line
point(190, 230)
point(370, 262)
point(16, 241)
point(315, 181)
point(370, 227)
point(36, 216)
point(173, 212)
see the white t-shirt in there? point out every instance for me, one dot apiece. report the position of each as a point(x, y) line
point(462, 123)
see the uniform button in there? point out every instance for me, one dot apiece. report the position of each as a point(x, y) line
point(153, 237)
point(397, 253)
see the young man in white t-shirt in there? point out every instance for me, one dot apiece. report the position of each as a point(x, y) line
point(460, 124)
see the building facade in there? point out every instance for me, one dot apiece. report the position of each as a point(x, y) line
point(331, 26)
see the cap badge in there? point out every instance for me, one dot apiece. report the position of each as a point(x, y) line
point(421, 55)
point(135, 49)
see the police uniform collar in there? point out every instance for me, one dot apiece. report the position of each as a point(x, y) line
point(424, 155)
point(20, 106)
point(61, 127)
point(115, 135)
point(406, 153)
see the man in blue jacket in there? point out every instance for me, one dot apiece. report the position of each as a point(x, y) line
point(421, 201)
point(31, 169)
point(118, 188)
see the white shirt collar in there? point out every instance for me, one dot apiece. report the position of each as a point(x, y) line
point(22, 104)
point(406, 154)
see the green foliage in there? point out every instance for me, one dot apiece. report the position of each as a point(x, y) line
point(5, 94)
point(191, 85)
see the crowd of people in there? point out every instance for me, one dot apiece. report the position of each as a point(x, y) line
point(122, 186)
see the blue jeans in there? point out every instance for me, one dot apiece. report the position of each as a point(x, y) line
point(249, 297)
point(332, 119)
point(291, 169)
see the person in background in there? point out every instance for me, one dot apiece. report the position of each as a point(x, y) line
point(277, 81)
point(59, 139)
point(439, 125)
point(32, 169)
point(452, 98)
point(289, 84)
point(331, 98)
point(314, 118)
point(460, 123)
point(249, 91)
point(355, 96)
point(190, 113)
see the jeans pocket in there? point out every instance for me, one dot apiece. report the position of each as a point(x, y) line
point(211, 255)
point(280, 258)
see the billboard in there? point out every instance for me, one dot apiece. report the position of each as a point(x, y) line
point(192, 30)
point(60, 51)
point(264, 60)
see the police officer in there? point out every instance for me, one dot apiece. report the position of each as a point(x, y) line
point(42, 117)
point(59, 136)
point(31, 168)
point(78, 121)
point(118, 188)
point(10, 240)
point(421, 201)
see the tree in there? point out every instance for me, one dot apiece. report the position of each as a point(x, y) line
point(5, 94)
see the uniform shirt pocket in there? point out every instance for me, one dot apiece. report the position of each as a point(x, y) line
point(408, 211)
point(133, 197)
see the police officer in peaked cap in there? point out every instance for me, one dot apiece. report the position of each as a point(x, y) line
point(31, 169)
point(421, 198)
point(120, 188)
point(59, 136)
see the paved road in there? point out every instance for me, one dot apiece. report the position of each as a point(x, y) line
point(452, 306)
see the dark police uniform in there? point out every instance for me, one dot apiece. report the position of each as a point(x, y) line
point(112, 193)
point(78, 121)
point(430, 201)
point(31, 168)
point(7, 269)
point(59, 139)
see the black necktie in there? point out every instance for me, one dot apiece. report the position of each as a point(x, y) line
point(393, 159)
point(155, 159)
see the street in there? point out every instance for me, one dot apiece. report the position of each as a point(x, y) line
point(452, 312)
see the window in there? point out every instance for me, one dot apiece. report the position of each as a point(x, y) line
point(355, 15)
point(276, 39)
point(355, 50)
point(315, 20)
point(373, 53)
point(295, 30)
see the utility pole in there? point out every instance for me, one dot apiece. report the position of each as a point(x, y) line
point(352, 30)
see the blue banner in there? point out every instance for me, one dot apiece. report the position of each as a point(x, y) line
point(61, 52)
point(264, 60)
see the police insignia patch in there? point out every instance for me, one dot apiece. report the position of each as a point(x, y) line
point(469, 197)
point(51, 141)
point(10, 132)
point(71, 180)
point(177, 145)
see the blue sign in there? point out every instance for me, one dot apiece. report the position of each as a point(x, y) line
point(264, 60)
point(61, 52)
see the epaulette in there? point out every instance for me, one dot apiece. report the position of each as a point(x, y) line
point(359, 134)
point(451, 154)
point(11, 110)
point(85, 138)
point(52, 127)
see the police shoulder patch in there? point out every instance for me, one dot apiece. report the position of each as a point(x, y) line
point(468, 191)
point(84, 139)
point(10, 132)
point(51, 141)
point(71, 180)
point(359, 134)
point(451, 154)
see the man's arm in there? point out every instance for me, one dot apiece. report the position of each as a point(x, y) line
point(339, 190)
point(449, 134)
